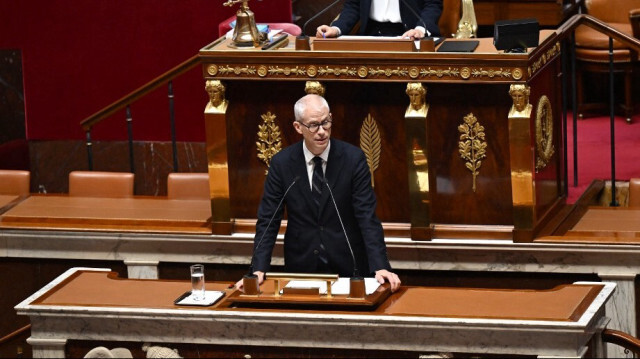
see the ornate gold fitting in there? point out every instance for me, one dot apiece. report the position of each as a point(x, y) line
point(269, 139)
point(417, 97)
point(521, 107)
point(217, 102)
point(472, 145)
point(468, 26)
point(544, 133)
point(314, 87)
point(246, 32)
point(371, 145)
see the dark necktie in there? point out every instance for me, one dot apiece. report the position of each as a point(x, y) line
point(317, 180)
point(317, 183)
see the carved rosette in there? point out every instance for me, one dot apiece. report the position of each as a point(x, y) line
point(472, 145)
point(269, 139)
point(370, 144)
point(544, 133)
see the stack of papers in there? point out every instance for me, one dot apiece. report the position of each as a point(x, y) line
point(339, 287)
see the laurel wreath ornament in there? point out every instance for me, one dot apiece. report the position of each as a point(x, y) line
point(472, 146)
point(269, 139)
point(370, 144)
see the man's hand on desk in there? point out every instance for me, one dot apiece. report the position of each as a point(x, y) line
point(414, 34)
point(327, 31)
point(392, 278)
point(239, 285)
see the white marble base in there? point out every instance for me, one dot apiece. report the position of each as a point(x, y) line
point(619, 308)
point(47, 348)
point(142, 269)
point(608, 261)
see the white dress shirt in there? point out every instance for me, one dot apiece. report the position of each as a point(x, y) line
point(385, 11)
point(308, 158)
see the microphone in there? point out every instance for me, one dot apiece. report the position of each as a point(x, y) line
point(304, 27)
point(356, 273)
point(414, 12)
point(269, 224)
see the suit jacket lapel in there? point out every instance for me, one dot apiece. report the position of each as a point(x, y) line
point(334, 163)
point(299, 167)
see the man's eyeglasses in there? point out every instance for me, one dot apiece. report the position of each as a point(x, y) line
point(315, 126)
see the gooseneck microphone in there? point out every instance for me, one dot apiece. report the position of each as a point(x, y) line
point(304, 27)
point(414, 12)
point(356, 273)
point(269, 224)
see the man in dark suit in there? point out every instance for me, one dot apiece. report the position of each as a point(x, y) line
point(307, 177)
point(409, 18)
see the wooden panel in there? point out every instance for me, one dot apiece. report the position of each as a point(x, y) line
point(349, 106)
point(451, 182)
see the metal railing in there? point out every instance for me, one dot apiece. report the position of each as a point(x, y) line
point(125, 103)
point(566, 32)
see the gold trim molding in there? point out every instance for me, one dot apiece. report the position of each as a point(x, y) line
point(363, 72)
point(472, 145)
point(269, 139)
point(370, 144)
point(544, 133)
point(546, 57)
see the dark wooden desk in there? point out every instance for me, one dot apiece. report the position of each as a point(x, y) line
point(138, 214)
point(87, 304)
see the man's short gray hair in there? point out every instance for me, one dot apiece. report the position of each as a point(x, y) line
point(301, 105)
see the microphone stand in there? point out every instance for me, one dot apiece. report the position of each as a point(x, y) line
point(356, 283)
point(302, 41)
point(250, 282)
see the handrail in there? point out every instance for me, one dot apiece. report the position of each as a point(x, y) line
point(570, 25)
point(14, 334)
point(622, 339)
point(109, 110)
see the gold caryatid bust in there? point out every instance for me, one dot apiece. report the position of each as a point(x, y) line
point(314, 87)
point(521, 106)
point(417, 94)
point(217, 102)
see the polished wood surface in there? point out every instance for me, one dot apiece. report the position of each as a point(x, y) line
point(619, 219)
point(602, 225)
point(6, 201)
point(563, 303)
point(129, 214)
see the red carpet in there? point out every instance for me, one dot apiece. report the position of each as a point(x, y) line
point(594, 156)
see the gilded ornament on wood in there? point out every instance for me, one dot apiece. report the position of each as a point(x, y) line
point(472, 145)
point(269, 139)
point(544, 133)
point(370, 144)
point(314, 87)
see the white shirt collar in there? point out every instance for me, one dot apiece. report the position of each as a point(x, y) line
point(308, 156)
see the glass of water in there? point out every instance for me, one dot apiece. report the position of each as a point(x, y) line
point(197, 281)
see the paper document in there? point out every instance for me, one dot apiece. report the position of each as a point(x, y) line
point(339, 287)
point(210, 297)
